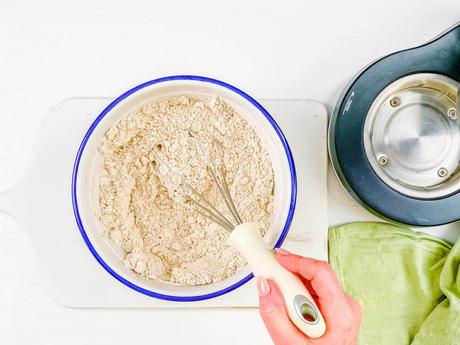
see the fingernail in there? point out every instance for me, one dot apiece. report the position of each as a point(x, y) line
point(262, 286)
point(282, 251)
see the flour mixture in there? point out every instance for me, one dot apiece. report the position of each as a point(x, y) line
point(162, 238)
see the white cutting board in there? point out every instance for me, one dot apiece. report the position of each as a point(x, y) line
point(41, 203)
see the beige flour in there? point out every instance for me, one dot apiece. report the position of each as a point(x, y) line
point(162, 238)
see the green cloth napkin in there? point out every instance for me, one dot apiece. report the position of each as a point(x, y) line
point(401, 278)
point(443, 325)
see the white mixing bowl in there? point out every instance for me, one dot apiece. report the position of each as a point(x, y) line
point(89, 160)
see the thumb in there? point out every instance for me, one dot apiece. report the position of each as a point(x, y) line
point(274, 315)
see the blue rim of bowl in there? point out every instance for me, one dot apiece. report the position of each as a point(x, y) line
point(88, 135)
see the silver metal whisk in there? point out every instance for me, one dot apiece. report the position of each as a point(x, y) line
point(246, 239)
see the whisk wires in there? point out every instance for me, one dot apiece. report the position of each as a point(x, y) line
point(194, 199)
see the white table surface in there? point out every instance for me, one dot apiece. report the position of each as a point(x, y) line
point(51, 50)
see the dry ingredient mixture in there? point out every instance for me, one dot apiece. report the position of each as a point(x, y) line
point(161, 237)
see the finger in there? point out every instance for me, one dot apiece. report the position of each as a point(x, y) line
point(356, 308)
point(306, 267)
point(274, 315)
point(310, 289)
point(323, 279)
point(307, 284)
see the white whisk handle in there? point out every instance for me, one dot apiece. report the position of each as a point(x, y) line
point(300, 306)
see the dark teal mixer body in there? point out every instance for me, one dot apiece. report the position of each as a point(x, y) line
point(440, 56)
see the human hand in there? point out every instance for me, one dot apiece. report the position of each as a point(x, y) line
point(341, 313)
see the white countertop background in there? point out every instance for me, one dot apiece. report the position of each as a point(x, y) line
point(51, 50)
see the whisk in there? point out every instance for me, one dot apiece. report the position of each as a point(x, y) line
point(245, 237)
